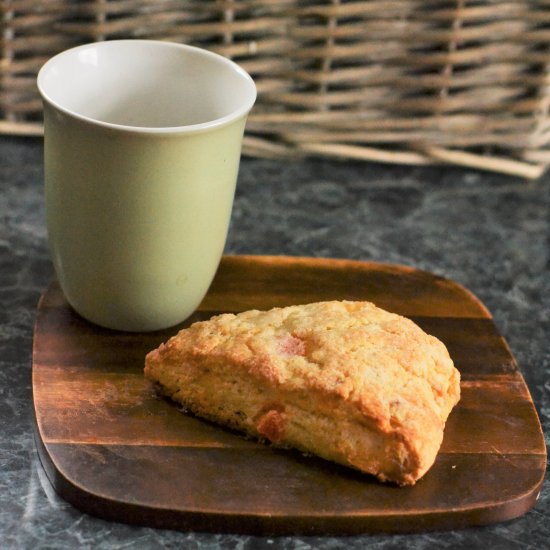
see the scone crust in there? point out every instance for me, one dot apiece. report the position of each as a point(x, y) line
point(338, 365)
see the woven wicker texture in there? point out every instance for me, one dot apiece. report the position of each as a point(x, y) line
point(410, 81)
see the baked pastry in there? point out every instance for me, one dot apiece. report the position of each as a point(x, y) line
point(346, 380)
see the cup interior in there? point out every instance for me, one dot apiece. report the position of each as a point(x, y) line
point(147, 84)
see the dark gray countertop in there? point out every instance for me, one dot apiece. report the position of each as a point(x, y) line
point(490, 233)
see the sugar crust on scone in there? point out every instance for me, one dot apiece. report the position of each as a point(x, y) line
point(344, 380)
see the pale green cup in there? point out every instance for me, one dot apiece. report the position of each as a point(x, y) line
point(142, 143)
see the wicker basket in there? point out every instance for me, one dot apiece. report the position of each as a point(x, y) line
point(409, 81)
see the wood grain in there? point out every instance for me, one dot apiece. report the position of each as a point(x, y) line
point(114, 449)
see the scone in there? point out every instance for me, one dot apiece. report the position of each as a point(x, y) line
point(347, 381)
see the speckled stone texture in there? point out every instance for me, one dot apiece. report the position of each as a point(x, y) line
point(489, 232)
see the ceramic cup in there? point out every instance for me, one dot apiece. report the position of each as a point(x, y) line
point(142, 143)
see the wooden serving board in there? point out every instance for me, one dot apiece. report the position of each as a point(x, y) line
point(115, 450)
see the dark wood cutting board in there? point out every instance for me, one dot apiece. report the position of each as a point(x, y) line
point(115, 450)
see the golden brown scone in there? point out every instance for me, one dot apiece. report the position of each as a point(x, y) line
point(347, 381)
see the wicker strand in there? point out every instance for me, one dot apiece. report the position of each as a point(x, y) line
point(483, 162)
point(7, 52)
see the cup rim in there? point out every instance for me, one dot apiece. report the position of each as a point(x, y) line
point(236, 114)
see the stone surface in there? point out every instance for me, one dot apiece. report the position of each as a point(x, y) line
point(489, 232)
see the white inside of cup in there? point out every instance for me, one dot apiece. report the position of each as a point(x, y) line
point(146, 84)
